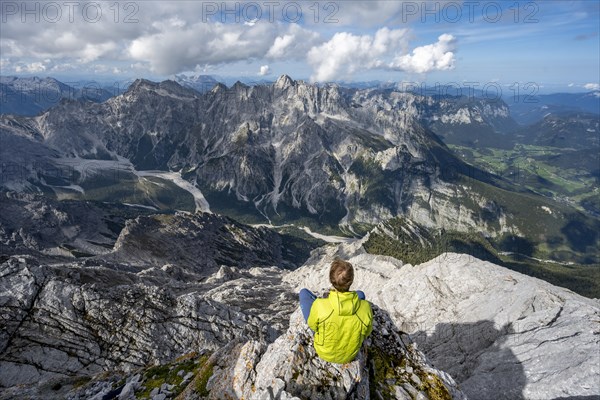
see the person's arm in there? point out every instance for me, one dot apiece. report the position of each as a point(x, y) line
point(312, 317)
point(370, 325)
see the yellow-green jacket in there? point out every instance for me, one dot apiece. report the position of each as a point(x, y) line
point(341, 322)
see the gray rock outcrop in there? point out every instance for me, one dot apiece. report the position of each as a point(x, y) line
point(57, 323)
point(388, 366)
point(499, 333)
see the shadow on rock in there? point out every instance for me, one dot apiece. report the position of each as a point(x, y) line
point(476, 356)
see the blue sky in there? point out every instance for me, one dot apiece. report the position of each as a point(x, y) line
point(554, 44)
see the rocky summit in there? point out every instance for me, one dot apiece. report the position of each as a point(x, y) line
point(499, 333)
point(232, 337)
point(107, 326)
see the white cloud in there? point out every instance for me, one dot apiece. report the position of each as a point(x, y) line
point(436, 56)
point(62, 39)
point(172, 37)
point(63, 67)
point(31, 68)
point(280, 45)
point(571, 84)
point(92, 52)
point(378, 12)
point(178, 49)
point(264, 70)
point(346, 54)
point(140, 66)
point(592, 86)
point(101, 68)
point(173, 48)
point(293, 44)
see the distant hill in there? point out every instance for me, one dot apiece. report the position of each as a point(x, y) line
point(531, 110)
point(567, 130)
point(200, 83)
point(204, 83)
point(32, 96)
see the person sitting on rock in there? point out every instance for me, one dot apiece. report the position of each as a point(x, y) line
point(342, 320)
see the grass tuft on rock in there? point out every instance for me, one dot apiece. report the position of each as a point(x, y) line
point(154, 377)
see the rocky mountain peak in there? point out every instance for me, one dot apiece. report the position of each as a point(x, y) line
point(343, 157)
point(141, 84)
point(239, 85)
point(240, 88)
point(208, 346)
point(219, 87)
point(284, 81)
point(450, 306)
point(389, 365)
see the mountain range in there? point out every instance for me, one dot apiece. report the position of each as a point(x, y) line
point(152, 245)
point(335, 159)
point(530, 109)
point(31, 96)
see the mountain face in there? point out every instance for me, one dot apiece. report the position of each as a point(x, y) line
point(289, 150)
point(29, 96)
point(32, 96)
point(472, 122)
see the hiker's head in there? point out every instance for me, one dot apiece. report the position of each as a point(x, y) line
point(341, 275)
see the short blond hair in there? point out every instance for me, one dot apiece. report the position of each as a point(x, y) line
point(341, 275)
